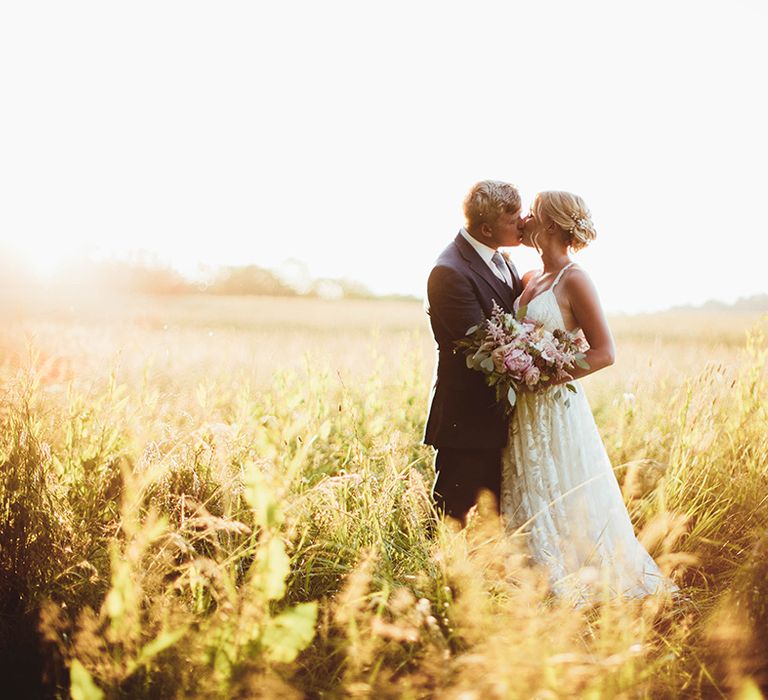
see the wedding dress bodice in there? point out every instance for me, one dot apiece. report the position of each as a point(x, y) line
point(544, 307)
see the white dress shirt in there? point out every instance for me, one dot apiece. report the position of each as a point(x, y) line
point(486, 253)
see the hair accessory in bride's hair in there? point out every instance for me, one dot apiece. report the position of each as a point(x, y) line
point(578, 222)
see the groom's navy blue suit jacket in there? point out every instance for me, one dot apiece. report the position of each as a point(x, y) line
point(463, 412)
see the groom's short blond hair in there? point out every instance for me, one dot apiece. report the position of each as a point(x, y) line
point(489, 199)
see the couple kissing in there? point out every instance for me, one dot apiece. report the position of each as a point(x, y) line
point(543, 460)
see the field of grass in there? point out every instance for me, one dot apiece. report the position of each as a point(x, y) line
point(206, 497)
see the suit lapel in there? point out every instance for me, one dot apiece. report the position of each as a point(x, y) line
point(503, 293)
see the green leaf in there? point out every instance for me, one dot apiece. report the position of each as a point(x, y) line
point(472, 330)
point(266, 510)
point(521, 313)
point(289, 632)
point(487, 364)
point(581, 363)
point(749, 690)
point(512, 396)
point(270, 569)
point(81, 685)
point(123, 599)
point(571, 387)
point(470, 362)
point(163, 641)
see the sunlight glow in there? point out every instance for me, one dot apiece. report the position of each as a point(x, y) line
point(261, 133)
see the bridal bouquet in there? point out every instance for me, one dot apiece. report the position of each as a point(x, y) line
point(517, 353)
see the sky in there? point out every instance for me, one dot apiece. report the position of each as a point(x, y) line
point(346, 134)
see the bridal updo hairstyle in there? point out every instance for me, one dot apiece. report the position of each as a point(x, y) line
point(568, 212)
point(489, 199)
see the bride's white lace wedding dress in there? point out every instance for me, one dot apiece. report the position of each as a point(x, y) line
point(559, 487)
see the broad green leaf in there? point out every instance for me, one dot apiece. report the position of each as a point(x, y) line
point(122, 601)
point(749, 690)
point(581, 363)
point(487, 364)
point(289, 632)
point(270, 569)
point(163, 641)
point(470, 363)
point(472, 330)
point(81, 685)
point(571, 387)
point(512, 396)
point(266, 510)
point(521, 312)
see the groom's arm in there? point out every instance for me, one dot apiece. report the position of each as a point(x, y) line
point(452, 301)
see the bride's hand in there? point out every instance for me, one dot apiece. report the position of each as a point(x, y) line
point(548, 383)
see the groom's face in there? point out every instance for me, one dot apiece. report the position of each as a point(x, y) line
point(504, 231)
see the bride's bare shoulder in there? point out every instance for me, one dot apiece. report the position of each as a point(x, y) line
point(578, 286)
point(528, 276)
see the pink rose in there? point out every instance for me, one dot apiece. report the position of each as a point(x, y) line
point(531, 376)
point(547, 349)
point(518, 361)
point(499, 357)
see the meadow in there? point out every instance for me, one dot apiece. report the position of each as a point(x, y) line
point(227, 497)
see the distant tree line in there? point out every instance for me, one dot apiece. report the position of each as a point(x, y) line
point(755, 303)
point(132, 277)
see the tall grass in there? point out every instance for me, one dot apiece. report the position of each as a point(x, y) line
point(176, 524)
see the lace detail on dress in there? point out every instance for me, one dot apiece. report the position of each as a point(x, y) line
point(558, 486)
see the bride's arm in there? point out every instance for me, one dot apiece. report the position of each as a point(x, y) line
point(589, 316)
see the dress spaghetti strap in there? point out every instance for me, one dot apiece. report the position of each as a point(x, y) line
point(560, 274)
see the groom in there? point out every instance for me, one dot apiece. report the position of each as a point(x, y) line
point(465, 423)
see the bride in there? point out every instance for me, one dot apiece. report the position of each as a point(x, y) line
point(558, 485)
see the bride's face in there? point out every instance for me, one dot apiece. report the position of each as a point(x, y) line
point(530, 227)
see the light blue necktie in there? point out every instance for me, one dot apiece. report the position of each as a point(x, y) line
point(501, 266)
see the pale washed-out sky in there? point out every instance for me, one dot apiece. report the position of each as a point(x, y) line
point(345, 134)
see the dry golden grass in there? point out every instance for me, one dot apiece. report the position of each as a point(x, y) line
point(227, 497)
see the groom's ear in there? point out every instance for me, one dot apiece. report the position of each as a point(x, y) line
point(486, 231)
